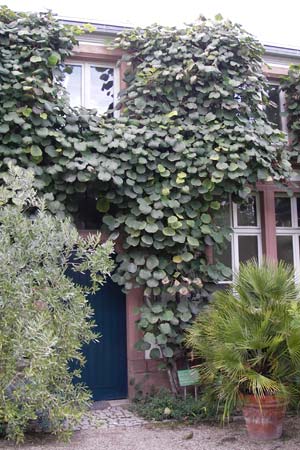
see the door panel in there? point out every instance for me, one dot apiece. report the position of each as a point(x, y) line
point(105, 372)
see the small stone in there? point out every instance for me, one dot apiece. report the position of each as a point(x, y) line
point(167, 411)
point(188, 436)
point(227, 439)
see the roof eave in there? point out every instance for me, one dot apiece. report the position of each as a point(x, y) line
point(277, 50)
point(100, 28)
point(112, 30)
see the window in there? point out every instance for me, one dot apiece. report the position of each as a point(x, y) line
point(93, 85)
point(287, 211)
point(85, 213)
point(276, 108)
point(273, 109)
point(245, 240)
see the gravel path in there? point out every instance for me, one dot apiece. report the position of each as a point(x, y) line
point(163, 437)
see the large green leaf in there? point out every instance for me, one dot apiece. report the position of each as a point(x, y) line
point(36, 151)
point(165, 328)
point(53, 59)
point(155, 353)
point(168, 352)
point(152, 262)
point(35, 59)
point(150, 338)
point(103, 205)
point(145, 274)
point(168, 231)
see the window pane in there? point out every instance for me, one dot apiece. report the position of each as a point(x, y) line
point(283, 212)
point(222, 216)
point(273, 109)
point(101, 89)
point(225, 257)
point(246, 213)
point(73, 84)
point(247, 248)
point(85, 213)
point(285, 249)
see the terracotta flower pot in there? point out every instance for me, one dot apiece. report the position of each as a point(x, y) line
point(264, 416)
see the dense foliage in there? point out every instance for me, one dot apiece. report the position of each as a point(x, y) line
point(162, 405)
point(199, 134)
point(249, 338)
point(45, 318)
point(291, 86)
point(198, 94)
point(192, 132)
point(38, 128)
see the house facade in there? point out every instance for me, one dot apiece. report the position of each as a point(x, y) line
point(269, 225)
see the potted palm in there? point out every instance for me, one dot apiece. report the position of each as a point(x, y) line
point(249, 343)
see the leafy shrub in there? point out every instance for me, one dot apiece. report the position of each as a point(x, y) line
point(162, 405)
point(45, 318)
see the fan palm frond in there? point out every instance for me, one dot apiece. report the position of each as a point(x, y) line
point(249, 338)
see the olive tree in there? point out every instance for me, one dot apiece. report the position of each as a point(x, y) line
point(45, 318)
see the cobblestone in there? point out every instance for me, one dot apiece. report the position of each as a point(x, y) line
point(111, 417)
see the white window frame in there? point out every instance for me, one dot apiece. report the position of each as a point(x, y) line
point(240, 230)
point(292, 231)
point(85, 79)
point(283, 118)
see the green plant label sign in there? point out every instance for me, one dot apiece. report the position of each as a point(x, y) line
point(188, 377)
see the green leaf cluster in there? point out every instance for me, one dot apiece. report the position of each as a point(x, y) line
point(291, 87)
point(38, 128)
point(163, 324)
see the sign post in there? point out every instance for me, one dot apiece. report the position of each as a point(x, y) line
point(188, 377)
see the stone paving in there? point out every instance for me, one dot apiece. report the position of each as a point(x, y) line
point(109, 415)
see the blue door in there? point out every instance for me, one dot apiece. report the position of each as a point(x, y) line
point(105, 372)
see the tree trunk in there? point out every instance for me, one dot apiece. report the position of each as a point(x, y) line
point(172, 383)
point(172, 374)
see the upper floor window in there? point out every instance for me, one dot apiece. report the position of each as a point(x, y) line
point(92, 85)
point(275, 110)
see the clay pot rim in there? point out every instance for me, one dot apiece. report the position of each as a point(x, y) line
point(269, 400)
